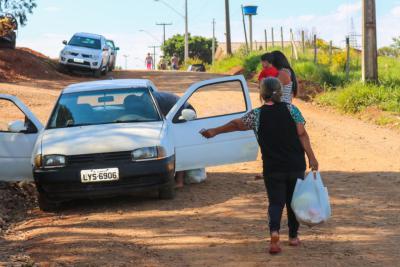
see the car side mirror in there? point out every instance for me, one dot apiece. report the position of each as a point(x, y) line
point(117, 49)
point(187, 115)
point(64, 42)
point(17, 126)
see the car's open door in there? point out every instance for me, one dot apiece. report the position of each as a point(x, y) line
point(19, 129)
point(215, 102)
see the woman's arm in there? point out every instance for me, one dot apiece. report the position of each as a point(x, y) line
point(305, 141)
point(284, 77)
point(232, 126)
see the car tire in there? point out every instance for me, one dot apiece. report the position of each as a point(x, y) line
point(97, 73)
point(13, 40)
point(45, 204)
point(106, 69)
point(167, 191)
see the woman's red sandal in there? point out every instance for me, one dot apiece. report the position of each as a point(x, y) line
point(274, 246)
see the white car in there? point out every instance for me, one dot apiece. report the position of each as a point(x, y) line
point(109, 137)
point(86, 51)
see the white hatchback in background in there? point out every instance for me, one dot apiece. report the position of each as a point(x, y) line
point(86, 51)
point(109, 137)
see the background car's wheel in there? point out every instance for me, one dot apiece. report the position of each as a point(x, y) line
point(167, 191)
point(106, 69)
point(47, 205)
point(97, 73)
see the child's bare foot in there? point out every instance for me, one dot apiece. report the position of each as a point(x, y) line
point(294, 242)
point(274, 246)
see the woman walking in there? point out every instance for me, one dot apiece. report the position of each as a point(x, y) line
point(283, 139)
point(286, 75)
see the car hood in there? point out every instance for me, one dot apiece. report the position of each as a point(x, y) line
point(81, 50)
point(101, 138)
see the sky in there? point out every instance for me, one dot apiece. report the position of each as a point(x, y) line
point(132, 23)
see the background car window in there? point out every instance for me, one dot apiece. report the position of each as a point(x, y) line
point(219, 99)
point(9, 112)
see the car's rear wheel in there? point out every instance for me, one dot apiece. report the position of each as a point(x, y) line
point(45, 204)
point(106, 69)
point(167, 191)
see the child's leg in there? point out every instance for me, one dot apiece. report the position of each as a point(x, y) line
point(292, 221)
point(276, 190)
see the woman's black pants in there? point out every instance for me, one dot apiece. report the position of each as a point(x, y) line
point(280, 188)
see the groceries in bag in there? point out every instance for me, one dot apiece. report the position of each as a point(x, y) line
point(310, 201)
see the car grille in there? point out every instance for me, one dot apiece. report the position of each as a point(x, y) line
point(84, 63)
point(98, 158)
point(86, 56)
point(73, 54)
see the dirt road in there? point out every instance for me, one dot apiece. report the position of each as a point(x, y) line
point(223, 221)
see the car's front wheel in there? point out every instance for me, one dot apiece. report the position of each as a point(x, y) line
point(168, 190)
point(45, 204)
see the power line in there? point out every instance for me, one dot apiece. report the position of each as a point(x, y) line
point(163, 24)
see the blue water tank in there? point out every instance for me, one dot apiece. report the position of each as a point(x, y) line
point(250, 10)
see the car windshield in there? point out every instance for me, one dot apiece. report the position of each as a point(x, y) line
point(85, 42)
point(104, 107)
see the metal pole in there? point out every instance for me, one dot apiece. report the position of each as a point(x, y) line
point(369, 52)
point(213, 43)
point(245, 31)
point(251, 31)
point(228, 29)
point(163, 24)
point(282, 45)
point(303, 41)
point(266, 39)
point(272, 37)
point(186, 32)
point(330, 52)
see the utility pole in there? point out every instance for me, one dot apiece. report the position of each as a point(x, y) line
point(126, 61)
point(213, 43)
point(163, 24)
point(347, 58)
point(369, 51)
point(186, 32)
point(154, 55)
point(228, 28)
point(245, 31)
point(282, 38)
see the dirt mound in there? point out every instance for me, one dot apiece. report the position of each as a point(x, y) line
point(15, 201)
point(308, 90)
point(24, 64)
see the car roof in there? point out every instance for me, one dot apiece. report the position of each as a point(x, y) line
point(90, 35)
point(108, 84)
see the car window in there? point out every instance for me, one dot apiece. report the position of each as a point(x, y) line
point(9, 112)
point(110, 44)
point(218, 99)
point(85, 42)
point(104, 107)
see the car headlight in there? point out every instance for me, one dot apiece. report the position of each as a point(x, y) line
point(64, 53)
point(147, 153)
point(38, 161)
point(53, 161)
point(94, 56)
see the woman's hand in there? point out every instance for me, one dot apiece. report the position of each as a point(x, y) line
point(208, 133)
point(313, 162)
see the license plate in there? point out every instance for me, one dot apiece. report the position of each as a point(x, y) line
point(99, 175)
point(78, 60)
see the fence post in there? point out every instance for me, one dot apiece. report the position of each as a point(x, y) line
point(294, 47)
point(282, 45)
point(303, 41)
point(315, 49)
point(330, 52)
point(347, 58)
point(266, 40)
point(272, 37)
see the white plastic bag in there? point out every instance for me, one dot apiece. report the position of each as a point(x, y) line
point(310, 201)
point(195, 176)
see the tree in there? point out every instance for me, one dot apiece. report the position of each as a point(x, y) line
point(396, 43)
point(18, 8)
point(199, 47)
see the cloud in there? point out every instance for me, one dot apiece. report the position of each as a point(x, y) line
point(395, 11)
point(52, 9)
point(344, 11)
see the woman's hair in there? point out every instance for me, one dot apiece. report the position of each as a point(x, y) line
point(280, 61)
point(271, 89)
point(267, 57)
